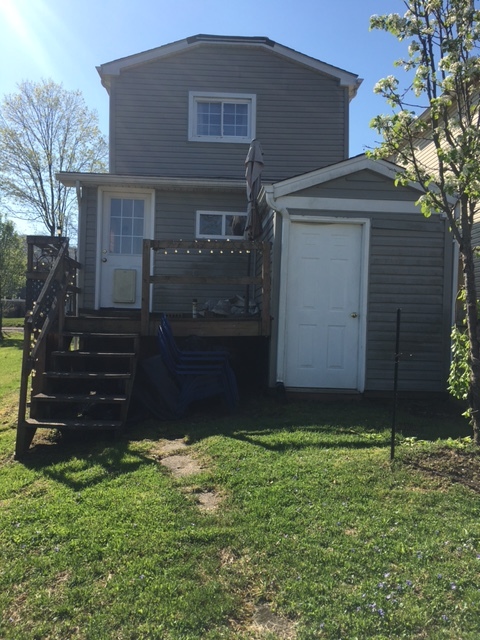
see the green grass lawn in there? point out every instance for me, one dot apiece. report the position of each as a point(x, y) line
point(316, 534)
point(13, 322)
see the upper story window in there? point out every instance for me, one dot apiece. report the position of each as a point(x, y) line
point(221, 117)
point(220, 225)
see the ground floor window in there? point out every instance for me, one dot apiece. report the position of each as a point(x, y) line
point(220, 225)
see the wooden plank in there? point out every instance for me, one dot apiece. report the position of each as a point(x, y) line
point(92, 354)
point(266, 292)
point(85, 375)
point(226, 246)
point(184, 327)
point(75, 325)
point(81, 398)
point(74, 424)
point(240, 280)
point(146, 277)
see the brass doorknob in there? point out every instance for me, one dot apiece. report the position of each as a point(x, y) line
point(354, 315)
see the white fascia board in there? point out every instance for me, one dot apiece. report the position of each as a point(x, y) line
point(346, 78)
point(340, 170)
point(345, 205)
point(332, 172)
point(114, 68)
point(152, 182)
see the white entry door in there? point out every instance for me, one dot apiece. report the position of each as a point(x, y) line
point(323, 305)
point(126, 221)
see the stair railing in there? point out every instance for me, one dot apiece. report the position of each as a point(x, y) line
point(46, 313)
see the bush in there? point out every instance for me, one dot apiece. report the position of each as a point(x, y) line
point(13, 308)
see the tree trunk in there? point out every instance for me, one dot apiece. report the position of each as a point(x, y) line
point(466, 253)
point(1, 316)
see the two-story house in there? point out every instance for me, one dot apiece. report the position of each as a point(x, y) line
point(346, 248)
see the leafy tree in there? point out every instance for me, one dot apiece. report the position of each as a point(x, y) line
point(13, 263)
point(45, 129)
point(439, 111)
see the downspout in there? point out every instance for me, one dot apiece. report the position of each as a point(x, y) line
point(78, 189)
point(78, 251)
point(277, 359)
point(272, 203)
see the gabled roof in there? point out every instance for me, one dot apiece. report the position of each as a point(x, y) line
point(292, 187)
point(338, 170)
point(114, 68)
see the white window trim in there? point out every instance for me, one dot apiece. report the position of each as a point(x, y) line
point(224, 214)
point(246, 98)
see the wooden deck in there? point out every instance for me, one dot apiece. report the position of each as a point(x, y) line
point(182, 326)
point(78, 367)
point(211, 326)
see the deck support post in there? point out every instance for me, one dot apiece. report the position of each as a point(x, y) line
point(25, 435)
point(266, 280)
point(144, 318)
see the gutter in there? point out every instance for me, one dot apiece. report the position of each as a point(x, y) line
point(158, 182)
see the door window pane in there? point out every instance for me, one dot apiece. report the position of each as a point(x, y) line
point(126, 225)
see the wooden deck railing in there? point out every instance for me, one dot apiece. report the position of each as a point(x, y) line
point(52, 273)
point(259, 256)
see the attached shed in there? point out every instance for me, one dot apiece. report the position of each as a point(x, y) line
point(350, 249)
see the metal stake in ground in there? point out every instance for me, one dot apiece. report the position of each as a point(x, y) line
point(395, 384)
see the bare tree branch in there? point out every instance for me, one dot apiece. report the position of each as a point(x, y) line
point(45, 129)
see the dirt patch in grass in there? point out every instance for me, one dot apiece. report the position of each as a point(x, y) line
point(263, 623)
point(161, 448)
point(453, 466)
point(181, 465)
point(173, 455)
point(208, 500)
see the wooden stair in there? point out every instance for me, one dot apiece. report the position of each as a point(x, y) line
point(87, 382)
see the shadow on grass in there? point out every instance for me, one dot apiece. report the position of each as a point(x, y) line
point(80, 461)
point(12, 339)
point(83, 459)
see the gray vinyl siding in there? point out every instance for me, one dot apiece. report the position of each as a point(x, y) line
point(362, 185)
point(175, 219)
point(88, 255)
point(409, 258)
point(409, 267)
point(301, 115)
point(476, 243)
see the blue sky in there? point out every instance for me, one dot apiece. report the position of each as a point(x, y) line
point(65, 40)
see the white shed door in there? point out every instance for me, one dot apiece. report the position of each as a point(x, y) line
point(323, 306)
